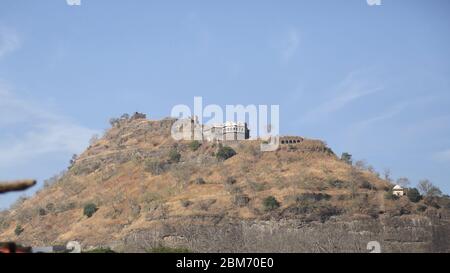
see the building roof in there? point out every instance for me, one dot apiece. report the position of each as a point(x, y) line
point(398, 187)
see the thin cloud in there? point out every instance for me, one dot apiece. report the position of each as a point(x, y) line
point(347, 92)
point(29, 131)
point(9, 41)
point(292, 43)
point(388, 114)
point(443, 156)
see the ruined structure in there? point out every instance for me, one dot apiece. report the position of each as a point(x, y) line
point(291, 139)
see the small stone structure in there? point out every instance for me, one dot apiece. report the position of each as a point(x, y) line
point(285, 140)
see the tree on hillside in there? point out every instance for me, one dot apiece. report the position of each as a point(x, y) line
point(93, 139)
point(387, 175)
point(174, 156)
point(72, 160)
point(347, 158)
point(138, 115)
point(194, 145)
point(414, 195)
point(113, 122)
point(270, 203)
point(360, 164)
point(403, 181)
point(428, 189)
point(225, 152)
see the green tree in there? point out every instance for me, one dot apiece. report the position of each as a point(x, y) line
point(270, 203)
point(414, 195)
point(18, 230)
point(194, 145)
point(225, 152)
point(347, 158)
point(174, 156)
point(89, 209)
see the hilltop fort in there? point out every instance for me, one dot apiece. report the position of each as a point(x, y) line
point(136, 189)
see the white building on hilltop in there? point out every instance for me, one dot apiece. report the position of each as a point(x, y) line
point(398, 190)
point(228, 131)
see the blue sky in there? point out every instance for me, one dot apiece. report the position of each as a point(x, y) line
point(370, 80)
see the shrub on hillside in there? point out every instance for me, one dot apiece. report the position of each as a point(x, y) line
point(366, 185)
point(241, 200)
point(390, 196)
point(194, 145)
point(42, 212)
point(230, 180)
point(199, 181)
point(89, 209)
point(185, 203)
point(326, 212)
point(174, 156)
point(270, 203)
point(18, 230)
point(432, 202)
point(347, 158)
point(138, 115)
point(225, 153)
point(312, 197)
point(336, 183)
point(421, 208)
point(257, 186)
point(414, 195)
point(154, 166)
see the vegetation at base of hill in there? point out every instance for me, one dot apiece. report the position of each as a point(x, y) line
point(270, 203)
point(165, 249)
point(90, 209)
point(100, 250)
point(225, 153)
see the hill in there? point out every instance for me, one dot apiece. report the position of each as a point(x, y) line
point(136, 189)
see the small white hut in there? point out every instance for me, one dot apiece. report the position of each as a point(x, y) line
point(398, 190)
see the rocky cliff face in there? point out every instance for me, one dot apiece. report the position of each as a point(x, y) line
point(395, 234)
point(149, 190)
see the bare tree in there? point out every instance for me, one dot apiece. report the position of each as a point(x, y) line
point(93, 139)
point(403, 181)
point(428, 189)
point(360, 164)
point(387, 174)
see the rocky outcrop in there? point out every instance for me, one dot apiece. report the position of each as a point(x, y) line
point(395, 234)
